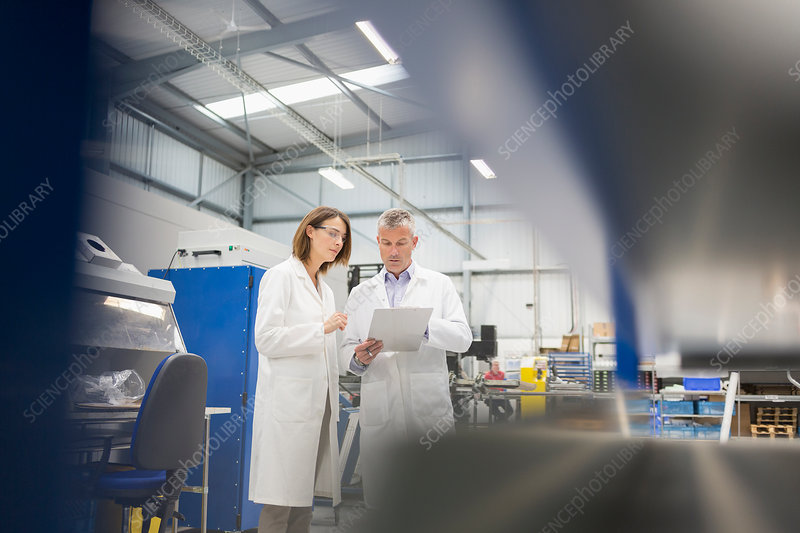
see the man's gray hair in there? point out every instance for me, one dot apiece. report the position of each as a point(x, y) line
point(395, 218)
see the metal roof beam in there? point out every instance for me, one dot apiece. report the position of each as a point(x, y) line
point(361, 104)
point(376, 214)
point(297, 169)
point(108, 50)
point(270, 18)
point(163, 67)
point(227, 124)
point(364, 86)
point(349, 141)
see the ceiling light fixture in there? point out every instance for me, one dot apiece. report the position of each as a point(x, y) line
point(335, 177)
point(483, 168)
point(305, 91)
point(378, 42)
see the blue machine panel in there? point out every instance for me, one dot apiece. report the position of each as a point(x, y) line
point(215, 308)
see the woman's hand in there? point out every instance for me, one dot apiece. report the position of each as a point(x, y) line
point(335, 321)
point(368, 350)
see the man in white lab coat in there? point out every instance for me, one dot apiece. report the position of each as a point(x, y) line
point(404, 395)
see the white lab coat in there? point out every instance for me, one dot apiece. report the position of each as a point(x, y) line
point(297, 372)
point(404, 395)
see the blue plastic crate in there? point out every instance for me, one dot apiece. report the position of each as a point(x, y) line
point(712, 408)
point(678, 432)
point(701, 383)
point(644, 430)
point(681, 407)
point(707, 432)
point(639, 406)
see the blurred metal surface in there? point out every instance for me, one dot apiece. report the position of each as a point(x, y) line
point(544, 482)
point(672, 162)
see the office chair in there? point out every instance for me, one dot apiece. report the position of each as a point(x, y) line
point(168, 431)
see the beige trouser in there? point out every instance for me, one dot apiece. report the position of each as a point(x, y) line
point(281, 519)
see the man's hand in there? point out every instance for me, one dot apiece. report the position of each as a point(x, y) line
point(367, 350)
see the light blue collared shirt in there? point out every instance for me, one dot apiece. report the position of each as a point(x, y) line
point(396, 287)
point(395, 291)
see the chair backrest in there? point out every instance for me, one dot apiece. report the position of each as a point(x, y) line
point(169, 427)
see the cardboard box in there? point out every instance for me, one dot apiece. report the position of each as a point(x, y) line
point(571, 343)
point(603, 329)
point(741, 420)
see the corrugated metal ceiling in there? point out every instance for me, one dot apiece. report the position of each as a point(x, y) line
point(340, 50)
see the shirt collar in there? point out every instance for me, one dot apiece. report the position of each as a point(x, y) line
point(407, 273)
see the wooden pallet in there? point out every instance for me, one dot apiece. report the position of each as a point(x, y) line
point(772, 431)
point(777, 416)
point(777, 420)
point(777, 411)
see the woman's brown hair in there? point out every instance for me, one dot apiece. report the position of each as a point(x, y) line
point(301, 244)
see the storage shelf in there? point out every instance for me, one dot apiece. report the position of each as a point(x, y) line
point(693, 393)
point(739, 397)
point(691, 416)
point(766, 398)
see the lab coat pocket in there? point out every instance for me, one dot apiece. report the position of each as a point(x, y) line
point(291, 399)
point(374, 404)
point(428, 398)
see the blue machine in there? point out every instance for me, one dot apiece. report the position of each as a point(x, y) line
point(215, 308)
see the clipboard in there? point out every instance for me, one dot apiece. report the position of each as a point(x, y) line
point(401, 329)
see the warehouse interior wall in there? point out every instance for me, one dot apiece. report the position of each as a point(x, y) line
point(139, 226)
point(161, 175)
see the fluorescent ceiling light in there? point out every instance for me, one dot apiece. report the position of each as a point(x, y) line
point(483, 168)
point(335, 177)
point(305, 91)
point(378, 42)
point(207, 111)
point(375, 76)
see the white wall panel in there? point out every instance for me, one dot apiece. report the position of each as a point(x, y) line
point(130, 143)
point(548, 255)
point(127, 179)
point(434, 184)
point(214, 174)
point(166, 194)
point(274, 202)
point(216, 215)
point(503, 234)
point(365, 196)
point(282, 232)
point(501, 300)
point(555, 304)
point(437, 251)
point(365, 245)
point(487, 192)
point(174, 163)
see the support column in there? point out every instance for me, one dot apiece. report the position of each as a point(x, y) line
point(727, 414)
point(247, 200)
point(467, 213)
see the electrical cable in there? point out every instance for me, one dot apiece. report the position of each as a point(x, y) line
point(179, 250)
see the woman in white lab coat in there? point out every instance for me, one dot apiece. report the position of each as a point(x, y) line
point(295, 450)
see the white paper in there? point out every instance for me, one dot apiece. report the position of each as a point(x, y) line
point(401, 329)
